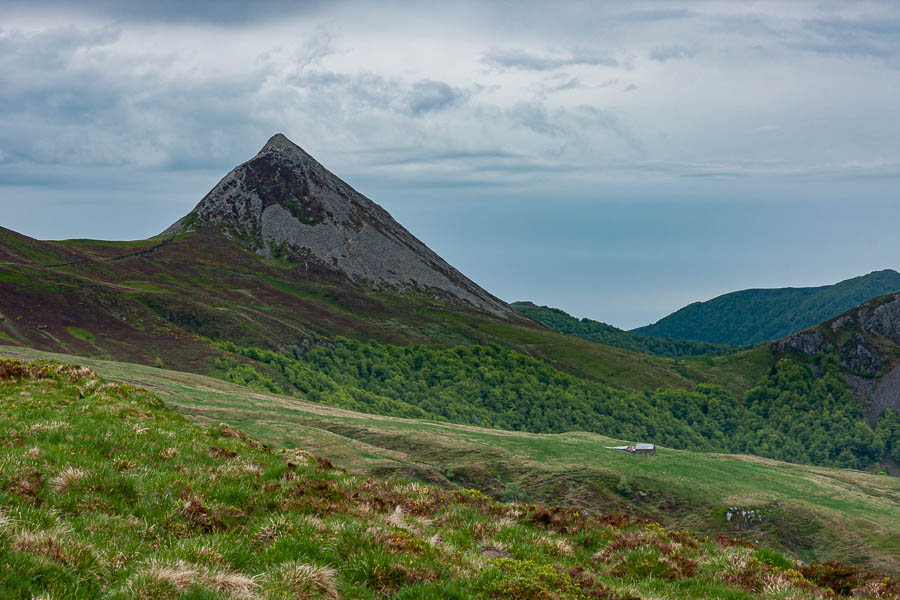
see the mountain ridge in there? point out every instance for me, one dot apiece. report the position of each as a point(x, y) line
point(760, 315)
point(603, 333)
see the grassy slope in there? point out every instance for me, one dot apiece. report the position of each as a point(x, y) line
point(106, 493)
point(809, 512)
point(160, 305)
point(760, 315)
point(602, 333)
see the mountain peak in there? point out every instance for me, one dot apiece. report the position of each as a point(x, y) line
point(282, 202)
point(279, 139)
point(280, 142)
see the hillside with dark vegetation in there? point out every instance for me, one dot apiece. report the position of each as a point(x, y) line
point(107, 494)
point(603, 333)
point(762, 315)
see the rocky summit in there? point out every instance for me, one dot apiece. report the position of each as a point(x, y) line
point(282, 202)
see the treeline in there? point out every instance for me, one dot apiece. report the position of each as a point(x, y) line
point(797, 416)
point(791, 415)
point(602, 333)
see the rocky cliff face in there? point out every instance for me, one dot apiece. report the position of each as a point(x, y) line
point(867, 341)
point(282, 202)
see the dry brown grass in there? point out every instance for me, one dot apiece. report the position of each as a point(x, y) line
point(396, 518)
point(62, 483)
point(51, 426)
point(76, 372)
point(305, 581)
point(180, 575)
point(53, 544)
point(87, 388)
point(183, 575)
point(557, 546)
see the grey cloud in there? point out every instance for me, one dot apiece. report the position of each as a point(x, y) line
point(535, 117)
point(558, 82)
point(571, 83)
point(866, 37)
point(577, 125)
point(62, 103)
point(361, 90)
point(748, 25)
point(50, 49)
point(756, 169)
point(657, 15)
point(429, 96)
point(218, 12)
point(631, 87)
point(415, 169)
point(662, 54)
point(383, 157)
point(555, 59)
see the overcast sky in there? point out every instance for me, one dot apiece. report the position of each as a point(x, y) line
point(617, 160)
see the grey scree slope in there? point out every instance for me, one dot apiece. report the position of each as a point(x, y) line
point(283, 196)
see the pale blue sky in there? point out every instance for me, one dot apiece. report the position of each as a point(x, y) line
point(617, 161)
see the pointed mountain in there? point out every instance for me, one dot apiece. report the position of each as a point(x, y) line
point(283, 202)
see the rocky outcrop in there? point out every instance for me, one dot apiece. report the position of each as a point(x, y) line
point(856, 354)
point(884, 320)
point(858, 330)
point(810, 341)
point(887, 395)
point(283, 202)
point(866, 340)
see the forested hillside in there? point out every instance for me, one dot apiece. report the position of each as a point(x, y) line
point(602, 333)
point(791, 414)
point(762, 315)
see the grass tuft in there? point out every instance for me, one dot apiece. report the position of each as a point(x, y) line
point(62, 483)
point(303, 581)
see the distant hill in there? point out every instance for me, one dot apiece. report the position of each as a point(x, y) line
point(602, 333)
point(761, 315)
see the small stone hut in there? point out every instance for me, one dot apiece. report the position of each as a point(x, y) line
point(636, 449)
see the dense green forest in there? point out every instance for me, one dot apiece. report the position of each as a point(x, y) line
point(602, 333)
point(791, 414)
point(762, 315)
